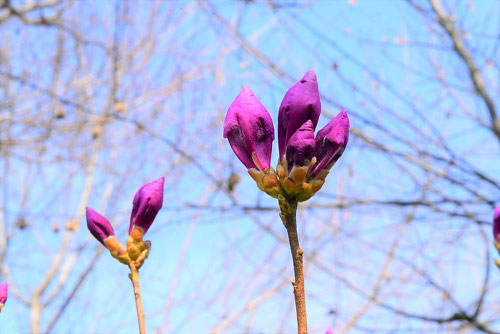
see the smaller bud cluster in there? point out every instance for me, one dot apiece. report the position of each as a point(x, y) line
point(147, 202)
point(3, 294)
point(496, 232)
point(304, 160)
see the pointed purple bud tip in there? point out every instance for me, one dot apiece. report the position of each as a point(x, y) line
point(98, 226)
point(309, 76)
point(147, 202)
point(329, 331)
point(300, 104)
point(300, 146)
point(249, 130)
point(3, 293)
point(331, 142)
point(496, 224)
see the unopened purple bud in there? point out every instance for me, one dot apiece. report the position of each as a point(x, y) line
point(3, 293)
point(147, 202)
point(249, 129)
point(496, 224)
point(99, 226)
point(300, 146)
point(331, 142)
point(301, 103)
point(329, 331)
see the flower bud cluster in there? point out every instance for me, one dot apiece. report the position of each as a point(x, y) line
point(146, 204)
point(3, 294)
point(304, 159)
point(496, 231)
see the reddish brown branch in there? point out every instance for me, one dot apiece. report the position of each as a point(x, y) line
point(289, 217)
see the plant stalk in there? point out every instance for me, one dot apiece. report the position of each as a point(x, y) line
point(289, 217)
point(134, 278)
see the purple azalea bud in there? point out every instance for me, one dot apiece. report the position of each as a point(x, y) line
point(496, 224)
point(300, 146)
point(147, 202)
point(3, 293)
point(331, 142)
point(301, 103)
point(329, 331)
point(249, 129)
point(99, 226)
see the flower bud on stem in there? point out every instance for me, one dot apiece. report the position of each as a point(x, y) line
point(289, 217)
point(134, 278)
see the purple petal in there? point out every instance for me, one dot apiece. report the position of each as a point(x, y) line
point(301, 103)
point(249, 129)
point(329, 331)
point(331, 142)
point(147, 202)
point(3, 292)
point(496, 224)
point(99, 226)
point(300, 146)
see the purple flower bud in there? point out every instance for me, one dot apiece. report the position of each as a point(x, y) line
point(99, 226)
point(300, 146)
point(249, 129)
point(301, 103)
point(329, 331)
point(3, 293)
point(147, 202)
point(331, 142)
point(496, 224)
